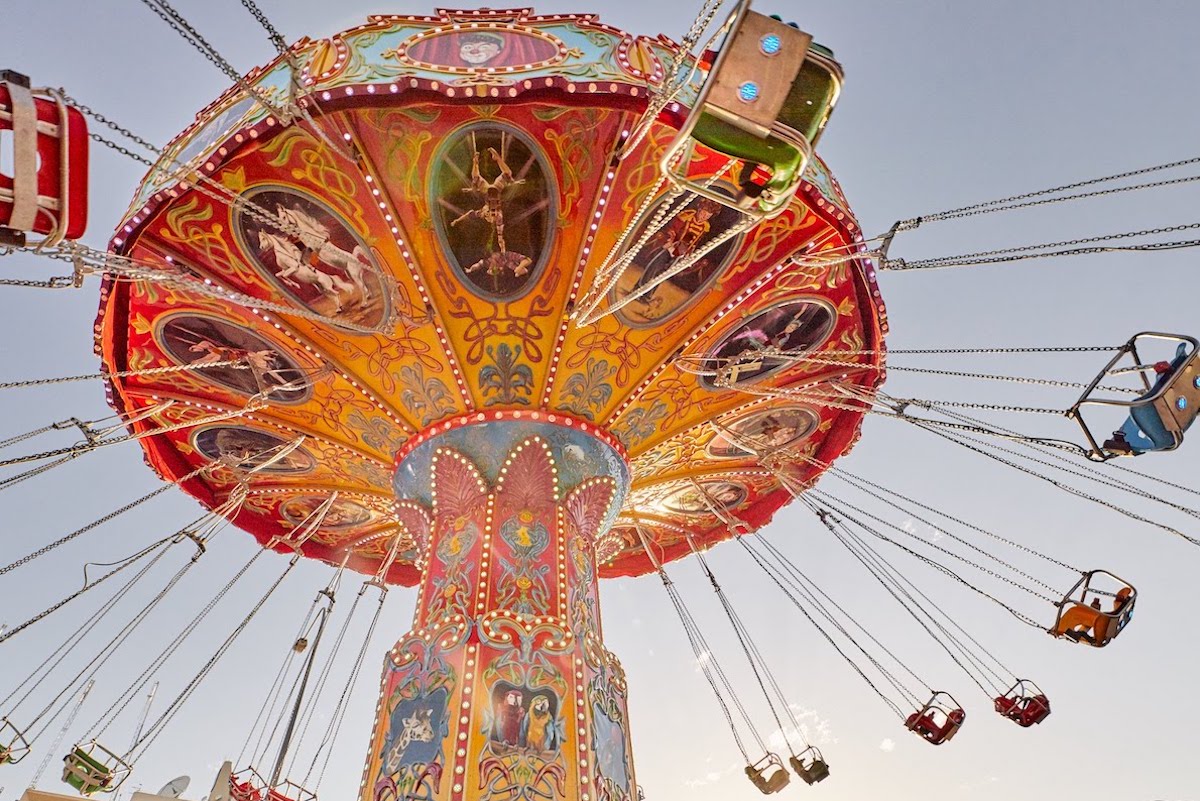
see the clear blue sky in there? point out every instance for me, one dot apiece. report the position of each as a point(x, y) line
point(946, 103)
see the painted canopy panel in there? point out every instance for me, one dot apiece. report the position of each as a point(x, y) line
point(448, 197)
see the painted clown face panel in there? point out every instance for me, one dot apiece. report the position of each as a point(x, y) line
point(482, 49)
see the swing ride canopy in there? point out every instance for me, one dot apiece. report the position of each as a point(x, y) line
point(448, 196)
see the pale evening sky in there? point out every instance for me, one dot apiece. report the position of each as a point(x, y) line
point(946, 103)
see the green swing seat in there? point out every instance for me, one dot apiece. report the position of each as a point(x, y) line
point(92, 768)
point(805, 112)
point(766, 100)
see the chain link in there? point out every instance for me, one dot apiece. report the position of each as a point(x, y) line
point(92, 261)
point(176, 21)
point(57, 282)
point(1004, 255)
point(88, 585)
point(989, 206)
point(980, 567)
point(674, 78)
point(237, 364)
point(272, 33)
point(45, 549)
point(218, 192)
point(978, 447)
point(855, 479)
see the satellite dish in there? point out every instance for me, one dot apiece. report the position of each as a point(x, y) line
point(175, 787)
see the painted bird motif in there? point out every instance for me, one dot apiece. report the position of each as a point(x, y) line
point(539, 726)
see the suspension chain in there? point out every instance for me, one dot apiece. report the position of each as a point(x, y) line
point(272, 33)
point(237, 364)
point(1006, 255)
point(99, 521)
point(989, 206)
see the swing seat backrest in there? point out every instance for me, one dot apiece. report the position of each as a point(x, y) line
point(1036, 710)
point(86, 773)
point(949, 730)
point(1170, 407)
point(817, 771)
point(44, 192)
point(765, 101)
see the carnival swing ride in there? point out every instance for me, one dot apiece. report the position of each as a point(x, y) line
point(494, 304)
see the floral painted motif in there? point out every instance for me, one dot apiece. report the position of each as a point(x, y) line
point(509, 381)
point(641, 423)
point(522, 587)
point(586, 392)
point(452, 589)
point(427, 397)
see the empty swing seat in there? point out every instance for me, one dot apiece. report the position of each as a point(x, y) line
point(48, 150)
point(1024, 704)
point(767, 98)
point(938, 721)
point(768, 774)
point(249, 785)
point(804, 112)
point(810, 765)
point(92, 768)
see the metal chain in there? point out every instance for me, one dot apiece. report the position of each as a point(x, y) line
point(1011, 254)
point(771, 571)
point(986, 207)
point(88, 585)
point(94, 261)
point(176, 21)
point(1071, 468)
point(610, 274)
point(57, 282)
point(993, 407)
point(122, 701)
point(978, 447)
point(776, 353)
point(272, 33)
point(883, 572)
point(29, 435)
point(968, 260)
point(237, 364)
point(338, 716)
point(212, 189)
point(45, 549)
point(819, 358)
point(94, 444)
point(156, 728)
point(12, 481)
point(813, 593)
point(980, 567)
point(1081, 196)
point(852, 478)
point(674, 79)
point(203, 183)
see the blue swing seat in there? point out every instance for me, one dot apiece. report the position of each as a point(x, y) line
point(1146, 429)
